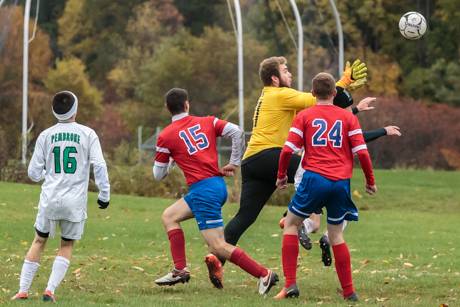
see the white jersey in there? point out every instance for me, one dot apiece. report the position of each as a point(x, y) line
point(62, 156)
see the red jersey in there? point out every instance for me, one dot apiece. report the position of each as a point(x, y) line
point(191, 142)
point(330, 136)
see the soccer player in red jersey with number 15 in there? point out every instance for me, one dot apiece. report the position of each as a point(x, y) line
point(191, 142)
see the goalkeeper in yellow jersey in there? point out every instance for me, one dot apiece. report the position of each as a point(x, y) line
point(275, 110)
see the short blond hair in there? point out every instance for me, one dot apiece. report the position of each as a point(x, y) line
point(270, 67)
point(323, 85)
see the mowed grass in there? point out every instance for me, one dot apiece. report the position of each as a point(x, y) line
point(404, 249)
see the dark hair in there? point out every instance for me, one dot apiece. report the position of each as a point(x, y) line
point(63, 102)
point(175, 100)
point(270, 67)
point(323, 85)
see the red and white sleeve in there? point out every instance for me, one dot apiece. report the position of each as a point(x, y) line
point(358, 147)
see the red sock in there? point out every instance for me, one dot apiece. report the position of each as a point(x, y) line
point(343, 268)
point(177, 245)
point(241, 259)
point(290, 251)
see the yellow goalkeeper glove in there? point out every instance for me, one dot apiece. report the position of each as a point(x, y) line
point(357, 84)
point(354, 72)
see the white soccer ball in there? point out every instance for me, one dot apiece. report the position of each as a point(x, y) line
point(412, 25)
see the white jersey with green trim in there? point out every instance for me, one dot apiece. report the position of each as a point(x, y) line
point(62, 157)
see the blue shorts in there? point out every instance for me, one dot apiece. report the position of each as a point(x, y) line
point(316, 192)
point(206, 198)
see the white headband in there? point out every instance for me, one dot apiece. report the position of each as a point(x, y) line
point(72, 110)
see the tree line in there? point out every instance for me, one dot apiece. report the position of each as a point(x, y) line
point(121, 56)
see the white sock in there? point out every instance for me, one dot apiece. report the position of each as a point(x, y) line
point(28, 271)
point(309, 225)
point(60, 266)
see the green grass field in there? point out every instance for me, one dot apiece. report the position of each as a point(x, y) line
point(404, 250)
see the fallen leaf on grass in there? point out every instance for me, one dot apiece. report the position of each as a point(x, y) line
point(137, 268)
point(381, 299)
point(357, 194)
point(408, 265)
point(275, 235)
point(77, 271)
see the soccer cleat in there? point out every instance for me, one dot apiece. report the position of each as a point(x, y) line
point(174, 277)
point(326, 256)
point(352, 297)
point(216, 271)
point(20, 296)
point(304, 239)
point(49, 297)
point(265, 283)
point(292, 291)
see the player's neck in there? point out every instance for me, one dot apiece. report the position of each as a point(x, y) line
point(179, 116)
point(324, 102)
point(66, 121)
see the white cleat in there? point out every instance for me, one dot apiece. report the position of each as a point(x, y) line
point(265, 283)
point(174, 277)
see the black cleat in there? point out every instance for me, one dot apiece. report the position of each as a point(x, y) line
point(292, 291)
point(326, 256)
point(352, 297)
point(304, 239)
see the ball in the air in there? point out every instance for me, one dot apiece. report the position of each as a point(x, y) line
point(412, 25)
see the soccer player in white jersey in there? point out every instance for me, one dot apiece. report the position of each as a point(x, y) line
point(62, 158)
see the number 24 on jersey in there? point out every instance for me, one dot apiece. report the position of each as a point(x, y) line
point(323, 134)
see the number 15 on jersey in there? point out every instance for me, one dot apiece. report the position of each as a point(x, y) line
point(194, 139)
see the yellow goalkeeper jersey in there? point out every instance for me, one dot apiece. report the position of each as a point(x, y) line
point(275, 110)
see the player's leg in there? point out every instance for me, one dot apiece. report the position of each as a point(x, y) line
point(342, 260)
point(290, 252)
point(308, 226)
point(70, 231)
point(32, 259)
point(254, 194)
point(308, 199)
point(171, 218)
point(214, 237)
point(326, 256)
point(340, 207)
point(60, 265)
point(258, 185)
point(30, 266)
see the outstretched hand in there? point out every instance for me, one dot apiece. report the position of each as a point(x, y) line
point(365, 104)
point(228, 170)
point(392, 130)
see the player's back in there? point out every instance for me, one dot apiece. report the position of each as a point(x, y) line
point(65, 150)
point(191, 142)
point(328, 151)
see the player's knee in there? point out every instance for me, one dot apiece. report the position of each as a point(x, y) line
point(167, 218)
point(217, 247)
point(335, 238)
point(40, 240)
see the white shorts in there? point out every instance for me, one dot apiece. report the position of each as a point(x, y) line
point(69, 230)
